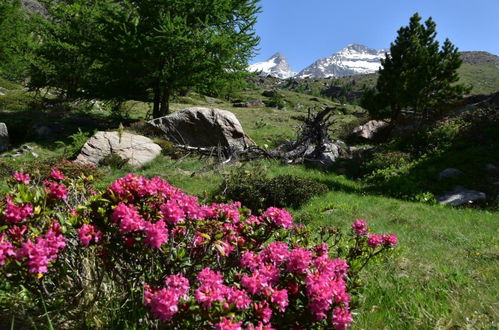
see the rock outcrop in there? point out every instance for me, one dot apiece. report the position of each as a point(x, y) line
point(460, 196)
point(369, 129)
point(136, 149)
point(4, 137)
point(203, 127)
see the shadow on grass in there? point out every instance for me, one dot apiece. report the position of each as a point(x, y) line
point(47, 121)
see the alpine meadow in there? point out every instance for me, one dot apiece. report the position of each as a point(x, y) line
point(156, 175)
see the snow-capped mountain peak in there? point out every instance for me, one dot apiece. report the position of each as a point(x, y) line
point(351, 60)
point(276, 66)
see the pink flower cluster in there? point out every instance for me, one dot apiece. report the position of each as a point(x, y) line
point(21, 177)
point(129, 221)
point(164, 302)
point(279, 217)
point(55, 190)
point(87, 234)
point(132, 187)
point(212, 289)
point(14, 213)
point(43, 250)
point(6, 249)
point(325, 278)
point(388, 240)
point(360, 227)
point(57, 175)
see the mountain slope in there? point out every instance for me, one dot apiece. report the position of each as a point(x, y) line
point(351, 60)
point(276, 66)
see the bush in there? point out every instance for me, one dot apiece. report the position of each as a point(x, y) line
point(78, 140)
point(113, 160)
point(256, 191)
point(143, 253)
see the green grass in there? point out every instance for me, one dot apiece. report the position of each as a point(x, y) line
point(483, 78)
point(444, 272)
point(8, 85)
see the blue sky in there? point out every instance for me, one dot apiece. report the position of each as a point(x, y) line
point(306, 30)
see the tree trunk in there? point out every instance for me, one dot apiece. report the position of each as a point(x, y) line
point(165, 102)
point(157, 98)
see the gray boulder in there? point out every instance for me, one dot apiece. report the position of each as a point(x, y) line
point(449, 173)
point(369, 129)
point(460, 196)
point(4, 137)
point(249, 104)
point(203, 127)
point(136, 149)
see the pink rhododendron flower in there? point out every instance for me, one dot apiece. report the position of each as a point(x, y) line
point(250, 260)
point(87, 233)
point(55, 190)
point(228, 324)
point(163, 303)
point(6, 249)
point(342, 318)
point(263, 311)
point(132, 187)
point(57, 175)
point(374, 240)
point(279, 217)
point(172, 212)
point(321, 249)
point(259, 326)
point(389, 239)
point(128, 218)
point(360, 227)
point(276, 253)
point(298, 260)
point(238, 297)
point(40, 253)
point(14, 213)
point(280, 298)
point(156, 234)
point(179, 284)
point(16, 233)
point(21, 177)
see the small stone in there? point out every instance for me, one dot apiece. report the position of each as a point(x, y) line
point(460, 196)
point(449, 173)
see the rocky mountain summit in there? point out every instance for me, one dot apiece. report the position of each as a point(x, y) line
point(351, 60)
point(479, 57)
point(276, 66)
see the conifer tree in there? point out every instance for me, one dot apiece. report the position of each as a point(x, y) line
point(147, 49)
point(417, 74)
point(15, 41)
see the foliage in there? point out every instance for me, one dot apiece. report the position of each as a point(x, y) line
point(416, 74)
point(113, 160)
point(276, 101)
point(257, 191)
point(165, 47)
point(15, 41)
point(78, 140)
point(165, 256)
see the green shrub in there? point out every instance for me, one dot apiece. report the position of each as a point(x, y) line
point(113, 160)
point(78, 140)
point(256, 191)
point(387, 159)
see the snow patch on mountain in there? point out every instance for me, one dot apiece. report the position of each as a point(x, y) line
point(351, 60)
point(276, 66)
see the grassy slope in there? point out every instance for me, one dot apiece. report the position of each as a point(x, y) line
point(484, 77)
point(444, 273)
